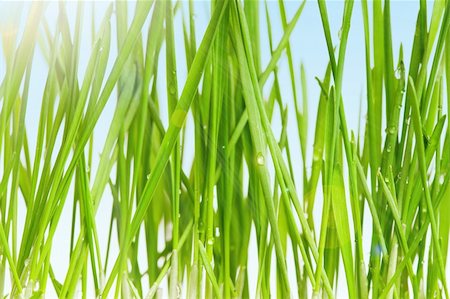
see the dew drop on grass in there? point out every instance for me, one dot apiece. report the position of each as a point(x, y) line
point(260, 159)
point(148, 176)
point(390, 130)
point(441, 179)
point(316, 156)
point(398, 73)
point(172, 89)
point(210, 242)
point(389, 149)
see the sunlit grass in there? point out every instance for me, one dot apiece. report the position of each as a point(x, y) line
point(390, 177)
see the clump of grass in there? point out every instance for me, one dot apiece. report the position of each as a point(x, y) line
point(238, 177)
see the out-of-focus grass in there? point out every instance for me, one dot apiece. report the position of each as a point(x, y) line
point(242, 175)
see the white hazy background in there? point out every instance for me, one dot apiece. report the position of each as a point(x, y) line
point(308, 47)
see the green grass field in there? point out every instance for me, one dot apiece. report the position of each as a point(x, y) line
point(203, 191)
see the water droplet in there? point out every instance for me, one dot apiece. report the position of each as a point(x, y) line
point(217, 232)
point(101, 49)
point(260, 159)
point(441, 179)
point(172, 89)
point(390, 130)
point(148, 176)
point(210, 241)
point(316, 156)
point(389, 149)
point(398, 73)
